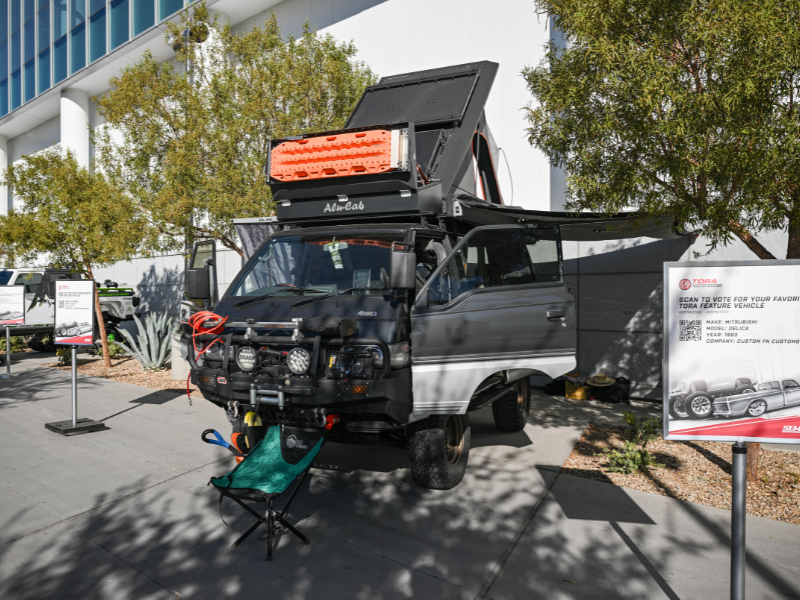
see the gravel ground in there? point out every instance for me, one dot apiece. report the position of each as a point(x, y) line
point(128, 370)
point(695, 471)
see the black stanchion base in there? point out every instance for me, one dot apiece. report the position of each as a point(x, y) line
point(82, 426)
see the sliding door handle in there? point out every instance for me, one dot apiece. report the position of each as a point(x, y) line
point(558, 314)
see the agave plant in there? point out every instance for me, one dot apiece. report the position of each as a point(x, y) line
point(153, 351)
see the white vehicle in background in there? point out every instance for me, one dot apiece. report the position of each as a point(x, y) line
point(117, 303)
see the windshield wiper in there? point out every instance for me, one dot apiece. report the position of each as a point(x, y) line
point(273, 293)
point(359, 288)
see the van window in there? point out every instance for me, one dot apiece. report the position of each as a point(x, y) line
point(31, 281)
point(498, 258)
point(5, 277)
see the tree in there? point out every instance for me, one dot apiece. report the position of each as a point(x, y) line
point(686, 108)
point(78, 218)
point(190, 146)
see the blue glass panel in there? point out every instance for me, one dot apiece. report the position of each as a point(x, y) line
point(60, 60)
point(44, 28)
point(120, 22)
point(16, 55)
point(30, 39)
point(3, 97)
point(43, 3)
point(59, 18)
point(16, 19)
point(97, 35)
point(78, 14)
point(3, 19)
point(144, 15)
point(44, 70)
point(4, 60)
point(16, 89)
point(78, 48)
point(30, 80)
point(30, 6)
point(167, 7)
point(95, 5)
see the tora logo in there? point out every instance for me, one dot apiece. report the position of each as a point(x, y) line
point(293, 442)
point(685, 284)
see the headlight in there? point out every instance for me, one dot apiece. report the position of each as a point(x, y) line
point(298, 360)
point(401, 355)
point(246, 358)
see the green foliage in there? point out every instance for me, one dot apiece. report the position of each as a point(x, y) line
point(18, 343)
point(686, 108)
point(64, 354)
point(629, 459)
point(114, 349)
point(642, 431)
point(153, 350)
point(191, 147)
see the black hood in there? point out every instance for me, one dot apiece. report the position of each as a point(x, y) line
point(376, 316)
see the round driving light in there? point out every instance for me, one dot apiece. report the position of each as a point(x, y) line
point(246, 358)
point(298, 360)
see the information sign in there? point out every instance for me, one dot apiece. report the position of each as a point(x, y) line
point(74, 312)
point(732, 351)
point(12, 305)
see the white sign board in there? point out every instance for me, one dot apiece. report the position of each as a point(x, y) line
point(12, 305)
point(732, 351)
point(74, 312)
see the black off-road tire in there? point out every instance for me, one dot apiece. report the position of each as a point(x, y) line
point(437, 462)
point(677, 409)
point(511, 411)
point(689, 405)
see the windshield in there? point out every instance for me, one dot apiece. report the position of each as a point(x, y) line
point(5, 277)
point(322, 264)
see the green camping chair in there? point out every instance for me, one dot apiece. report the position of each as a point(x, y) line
point(268, 470)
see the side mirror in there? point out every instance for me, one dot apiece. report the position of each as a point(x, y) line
point(403, 274)
point(198, 284)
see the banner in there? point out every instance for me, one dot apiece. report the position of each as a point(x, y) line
point(732, 351)
point(74, 312)
point(12, 305)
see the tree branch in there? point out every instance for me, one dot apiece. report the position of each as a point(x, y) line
point(751, 242)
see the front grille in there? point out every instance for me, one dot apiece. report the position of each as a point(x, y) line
point(353, 388)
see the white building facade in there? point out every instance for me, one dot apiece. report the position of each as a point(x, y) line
point(55, 55)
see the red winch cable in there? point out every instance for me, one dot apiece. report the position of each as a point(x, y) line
point(197, 322)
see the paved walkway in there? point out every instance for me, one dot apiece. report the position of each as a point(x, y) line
point(125, 513)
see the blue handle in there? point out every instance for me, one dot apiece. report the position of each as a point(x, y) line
point(220, 441)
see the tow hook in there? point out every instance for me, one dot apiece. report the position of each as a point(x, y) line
point(330, 421)
point(326, 421)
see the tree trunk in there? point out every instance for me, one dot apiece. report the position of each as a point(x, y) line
point(751, 242)
point(101, 324)
point(793, 245)
point(753, 460)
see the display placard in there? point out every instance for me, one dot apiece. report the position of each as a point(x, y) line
point(12, 305)
point(74, 312)
point(732, 351)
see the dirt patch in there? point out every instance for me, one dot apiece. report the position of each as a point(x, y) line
point(699, 472)
point(128, 370)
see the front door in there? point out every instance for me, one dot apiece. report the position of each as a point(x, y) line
point(497, 303)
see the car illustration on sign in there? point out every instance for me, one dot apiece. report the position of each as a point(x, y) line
point(771, 395)
point(694, 395)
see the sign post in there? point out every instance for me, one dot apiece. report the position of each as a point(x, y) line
point(732, 365)
point(12, 312)
point(74, 327)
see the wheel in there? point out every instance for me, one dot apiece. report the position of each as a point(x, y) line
point(677, 408)
point(744, 388)
point(699, 405)
point(511, 411)
point(757, 408)
point(439, 449)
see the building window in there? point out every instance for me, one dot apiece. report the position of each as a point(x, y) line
point(44, 25)
point(97, 34)
point(30, 80)
point(16, 89)
point(16, 58)
point(4, 60)
point(120, 22)
point(60, 59)
point(59, 18)
point(44, 71)
point(144, 15)
point(4, 97)
point(167, 7)
point(77, 44)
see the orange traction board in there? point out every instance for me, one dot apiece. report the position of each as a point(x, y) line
point(340, 155)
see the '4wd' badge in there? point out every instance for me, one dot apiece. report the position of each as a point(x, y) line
point(333, 207)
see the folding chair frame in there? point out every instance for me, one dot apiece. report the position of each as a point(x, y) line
point(271, 517)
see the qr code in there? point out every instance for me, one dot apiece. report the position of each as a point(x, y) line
point(691, 331)
point(60, 304)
